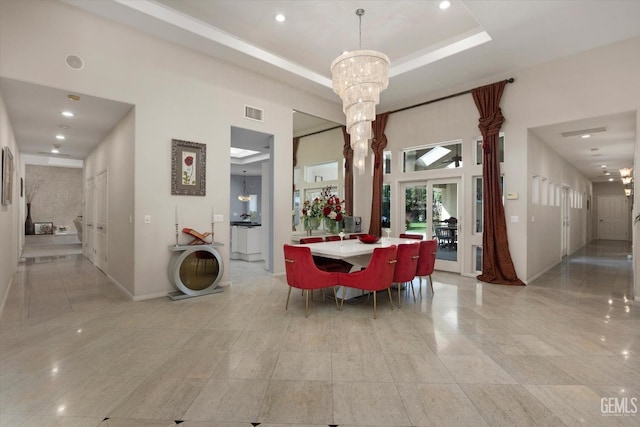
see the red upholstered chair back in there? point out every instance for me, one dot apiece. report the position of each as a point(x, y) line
point(427, 259)
point(332, 238)
point(305, 240)
point(377, 276)
point(410, 236)
point(302, 272)
point(407, 264)
point(355, 236)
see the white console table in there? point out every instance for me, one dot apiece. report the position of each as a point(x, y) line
point(195, 270)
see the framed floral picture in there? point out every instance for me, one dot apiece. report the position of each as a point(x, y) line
point(188, 168)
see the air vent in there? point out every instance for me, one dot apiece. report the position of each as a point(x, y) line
point(584, 131)
point(253, 113)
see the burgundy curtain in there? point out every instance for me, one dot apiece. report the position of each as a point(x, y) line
point(296, 144)
point(497, 266)
point(378, 144)
point(347, 151)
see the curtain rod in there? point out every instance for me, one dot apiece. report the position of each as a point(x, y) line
point(509, 80)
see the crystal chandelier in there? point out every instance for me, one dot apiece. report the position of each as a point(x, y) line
point(244, 196)
point(359, 77)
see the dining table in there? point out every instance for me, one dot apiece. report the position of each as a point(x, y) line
point(354, 252)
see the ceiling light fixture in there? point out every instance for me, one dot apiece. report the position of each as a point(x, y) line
point(626, 180)
point(67, 114)
point(445, 4)
point(358, 78)
point(55, 149)
point(586, 136)
point(60, 137)
point(244, 196)
point(625, 172)
point(280, 17)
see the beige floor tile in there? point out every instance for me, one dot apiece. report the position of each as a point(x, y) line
point(160, 398)
point(133, 362)
point(191, 363)
point(259, 341)
point(354, 342)
point(451, 344)
point(509, 405)
point(476, 370)
point(375, 404)
point(248, 365)
point(297, 403)
point(418, 368)
point(60, 421)
point(303, 366)
point(34, 392)
point(363, 367)
point(213, 339)
point(307, 340)
point(95, 396)
point(439, 405)
point(228, 400)
point(534, 370)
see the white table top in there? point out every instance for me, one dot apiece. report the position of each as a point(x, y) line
point(353, 247)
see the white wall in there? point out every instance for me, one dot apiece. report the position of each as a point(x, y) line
point(178, 94)
point(58, 198)
point(115, 155)
point(11, 219)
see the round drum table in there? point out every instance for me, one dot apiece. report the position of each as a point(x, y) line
point(195, 270)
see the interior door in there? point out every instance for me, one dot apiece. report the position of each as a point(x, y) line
point(101, 233)
point(565, 232)
point(612, 217)
point(432, 208)
point(89, 220)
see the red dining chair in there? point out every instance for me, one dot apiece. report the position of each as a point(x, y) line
point(303, 274)
point(407, 265)
point(427, 261)
point(332, 238)
point(306, 240)
point(377, 276)
point(355, 236)
point(410, 236)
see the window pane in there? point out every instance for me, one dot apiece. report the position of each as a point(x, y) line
point(479, 149)
point(386, 206)
point(477, 211)
point(434, 157)
point(321, 172)
point(416, 208)
point(445, 222)
point(387, 162)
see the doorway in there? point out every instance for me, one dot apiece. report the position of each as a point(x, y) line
point(613, 218)
point(432, 208)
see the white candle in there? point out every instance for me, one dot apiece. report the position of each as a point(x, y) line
point(176, 216)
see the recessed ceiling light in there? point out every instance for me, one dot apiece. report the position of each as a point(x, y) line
point(603, 166)
point(280, 17)
point(445, 4)
point(67, 114)
point(607, 173)
point(73, 97)
point(586, 136)
point(55, 149)
point(61, 137)
point(610, 179)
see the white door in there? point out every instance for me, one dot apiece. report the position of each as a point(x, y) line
point(564, 233)
point(432, 208)
point(613, 217)
point(101, 244)
point(89, 220)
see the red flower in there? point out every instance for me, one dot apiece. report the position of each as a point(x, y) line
point(326, 211)
point(188, 160)
point(304, 211)
point(339, 217)
point(338, 208)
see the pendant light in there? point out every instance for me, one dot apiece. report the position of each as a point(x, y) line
point(244, 196)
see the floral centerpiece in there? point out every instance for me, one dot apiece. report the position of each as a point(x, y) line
point(327, 206)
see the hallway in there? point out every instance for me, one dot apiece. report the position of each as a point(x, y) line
point(75, 352)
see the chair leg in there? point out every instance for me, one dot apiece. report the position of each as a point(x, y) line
point(286, 307)
point(412, 290)
point(420, 290)
point(344, 294)
point(374, 303)
point(398, 296)
point(431, 283)
point(335, 297)
point(306, 305)
point(390, 299)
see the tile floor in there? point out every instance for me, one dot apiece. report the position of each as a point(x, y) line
point(74, 352)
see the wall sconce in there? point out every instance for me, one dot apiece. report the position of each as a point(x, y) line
point(626, 180)
point(627, 192)
point(625, 172)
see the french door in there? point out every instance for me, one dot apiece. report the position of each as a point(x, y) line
point(432, 208)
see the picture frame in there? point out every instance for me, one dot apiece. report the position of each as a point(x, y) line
point(188, 168)
point(7, 176)
point(43, 227)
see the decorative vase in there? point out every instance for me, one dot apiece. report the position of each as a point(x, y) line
point(331, 225)
point(312, 223)
point(28, 223)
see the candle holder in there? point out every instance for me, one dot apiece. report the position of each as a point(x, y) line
point(177, 234)
point(212, 232)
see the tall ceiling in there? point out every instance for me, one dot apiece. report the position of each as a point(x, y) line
point(433, 52)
